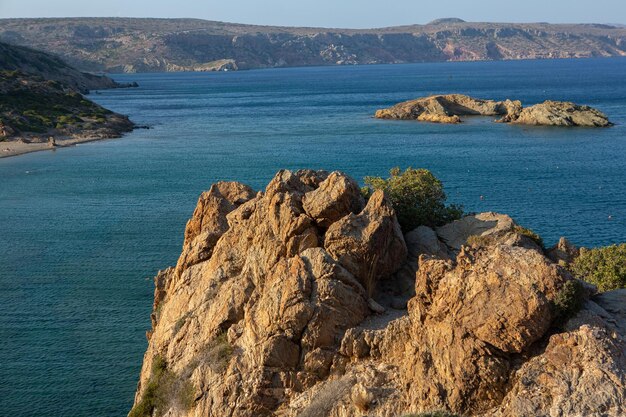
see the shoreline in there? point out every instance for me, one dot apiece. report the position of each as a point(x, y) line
point(14, 148)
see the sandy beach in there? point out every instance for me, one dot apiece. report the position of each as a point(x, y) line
point(15, 148)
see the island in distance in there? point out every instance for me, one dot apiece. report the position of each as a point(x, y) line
point(449, 109)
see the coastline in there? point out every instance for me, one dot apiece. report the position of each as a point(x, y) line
point(15, 148)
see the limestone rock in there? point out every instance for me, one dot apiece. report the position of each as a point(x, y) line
point(275, 318)
point(582, 372)
point(449, 109)
point(563, 252)
point(455, 234)
point(208, 222)
point(256, 315)
point(446, 108)
point(337, 196)
point(370, 244)
point(557, 113)
point(468, 319)
point(424, 241)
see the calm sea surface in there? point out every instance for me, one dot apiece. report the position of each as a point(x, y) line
point(83, 229)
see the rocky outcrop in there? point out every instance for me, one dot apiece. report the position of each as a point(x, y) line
point(450, 108)
point(447, 108)
point(558, 113)
point(208, 222)
point(293, 302)
point(563, 252)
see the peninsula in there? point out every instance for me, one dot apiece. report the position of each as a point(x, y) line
point(42, 106)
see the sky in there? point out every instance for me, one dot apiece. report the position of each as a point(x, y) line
point(330, 13)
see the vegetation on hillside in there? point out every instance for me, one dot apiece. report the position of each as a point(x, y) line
point(32, 105)
point(417, 197)
point(604, 267)
point(164, 390)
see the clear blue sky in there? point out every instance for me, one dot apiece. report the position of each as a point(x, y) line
point(331, 13)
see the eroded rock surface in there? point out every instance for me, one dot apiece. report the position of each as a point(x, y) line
point(447, 108)
point(450, 109)
point(273, 310)
point(558, 113)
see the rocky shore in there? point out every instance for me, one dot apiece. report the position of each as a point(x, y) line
point(450, 108)
point(307, 299)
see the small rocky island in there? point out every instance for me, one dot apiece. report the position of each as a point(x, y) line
point(42, 104)
point(450, 108)
point(313, 298)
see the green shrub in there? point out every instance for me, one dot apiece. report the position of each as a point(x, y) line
point(604, 267)
point(529, 233)
point(417, 197)
point(164, 390)
point(218, 353)
point(568, 301)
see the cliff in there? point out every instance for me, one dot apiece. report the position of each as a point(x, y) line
point(144, 45)
point(305, 299)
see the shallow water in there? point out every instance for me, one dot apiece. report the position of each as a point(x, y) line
point(84, 229)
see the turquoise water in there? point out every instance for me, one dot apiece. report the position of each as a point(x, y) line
point(83, 229)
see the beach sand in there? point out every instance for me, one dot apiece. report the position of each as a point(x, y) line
point(14, 148)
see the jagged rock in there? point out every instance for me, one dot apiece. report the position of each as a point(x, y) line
point(468, 319)
point(558, 113)
point(369, 244)
point(424, 241)
point(437, 118)
point(563, 251)
point(278, 321)
point(455, 234)
point(208, 222)
point(337, 196)
point(447, 108)
point(582, 372)
point(263, 278)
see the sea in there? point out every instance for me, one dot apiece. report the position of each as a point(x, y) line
point(84, 229)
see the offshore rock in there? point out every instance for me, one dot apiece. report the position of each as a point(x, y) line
point(450, 108)
point(447, 108)
point(557, 113)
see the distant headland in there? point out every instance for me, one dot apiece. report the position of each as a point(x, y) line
point(157, 45)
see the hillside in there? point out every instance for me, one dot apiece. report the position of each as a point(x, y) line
point(41, 105)
point(144, 45)
point(38, 111)
point(50, 67)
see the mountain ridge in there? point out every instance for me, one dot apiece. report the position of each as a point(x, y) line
point(156, 44)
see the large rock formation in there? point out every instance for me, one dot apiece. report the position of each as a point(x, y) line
point(449, 109)
point(289, 303)
point(557, 113)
